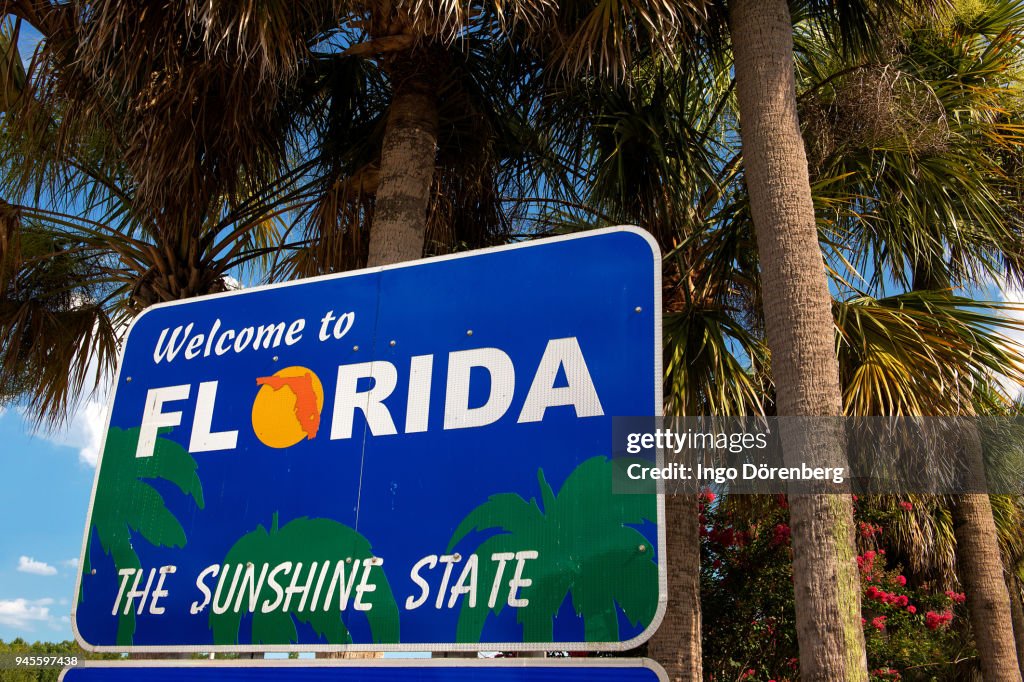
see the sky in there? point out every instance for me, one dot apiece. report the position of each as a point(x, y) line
point(47, 480)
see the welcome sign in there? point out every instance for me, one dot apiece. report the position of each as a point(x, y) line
point(413, 457)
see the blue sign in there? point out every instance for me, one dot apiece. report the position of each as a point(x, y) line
point(414, 457)
point(410, 670)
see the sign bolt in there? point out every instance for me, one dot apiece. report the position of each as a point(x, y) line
point(275, 358)
point(355, 349)
point(92, 572)
point(638, 309)
point(392, 342)
point(469, 332)
point(129, 380)
point(642, 548)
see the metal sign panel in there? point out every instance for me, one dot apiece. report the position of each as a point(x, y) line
point(419, 670)
point(414, 457)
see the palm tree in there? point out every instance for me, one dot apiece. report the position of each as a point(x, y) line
point(799, 332)
point(587, 547)
point(302, 541)
point(89, 241)
point(256, 56)
point(137, 507)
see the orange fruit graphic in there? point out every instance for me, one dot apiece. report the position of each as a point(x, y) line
point(287, 407)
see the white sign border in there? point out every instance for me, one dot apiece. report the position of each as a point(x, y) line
point(413, 663)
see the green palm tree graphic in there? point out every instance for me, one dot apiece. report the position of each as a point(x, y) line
point(134, 505)
point(306, 540)
point(585, 548)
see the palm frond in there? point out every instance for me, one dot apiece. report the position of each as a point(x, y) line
point(919, 353)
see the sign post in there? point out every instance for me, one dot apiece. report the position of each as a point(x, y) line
point(414, 457)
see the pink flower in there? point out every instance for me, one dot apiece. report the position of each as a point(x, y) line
point(911, 609)
point(878, 622)
point(781, 535)
point(934, 621)
point(868, 530)
point(907, 506)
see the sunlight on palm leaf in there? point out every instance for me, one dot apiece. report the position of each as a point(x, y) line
point(917, 353)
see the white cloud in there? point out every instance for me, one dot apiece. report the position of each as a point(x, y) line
point(70, 563)
point(24, 613)
point(30, 565)
point(93, 419)
point(85, 425)
point(1015, 295)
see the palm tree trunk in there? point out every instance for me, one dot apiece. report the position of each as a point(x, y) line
point(677, 643)
point(800, 334)
point(980, 568)
point(1017, 614)
point(407, 162)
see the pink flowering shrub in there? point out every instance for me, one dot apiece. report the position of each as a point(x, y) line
point(748, 611)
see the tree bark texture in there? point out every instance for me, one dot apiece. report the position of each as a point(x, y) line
point(407, 162)
point(677, 643)
point(980, 568)
point(1017, 614)
point(800, 333)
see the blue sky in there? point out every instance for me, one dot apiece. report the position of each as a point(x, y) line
point(47, 485)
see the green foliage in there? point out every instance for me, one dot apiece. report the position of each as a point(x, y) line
point(66, 648)
point(586, 546)
point(915, 626)
point(133, 506)
point(903, 354)
point(303, 541)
